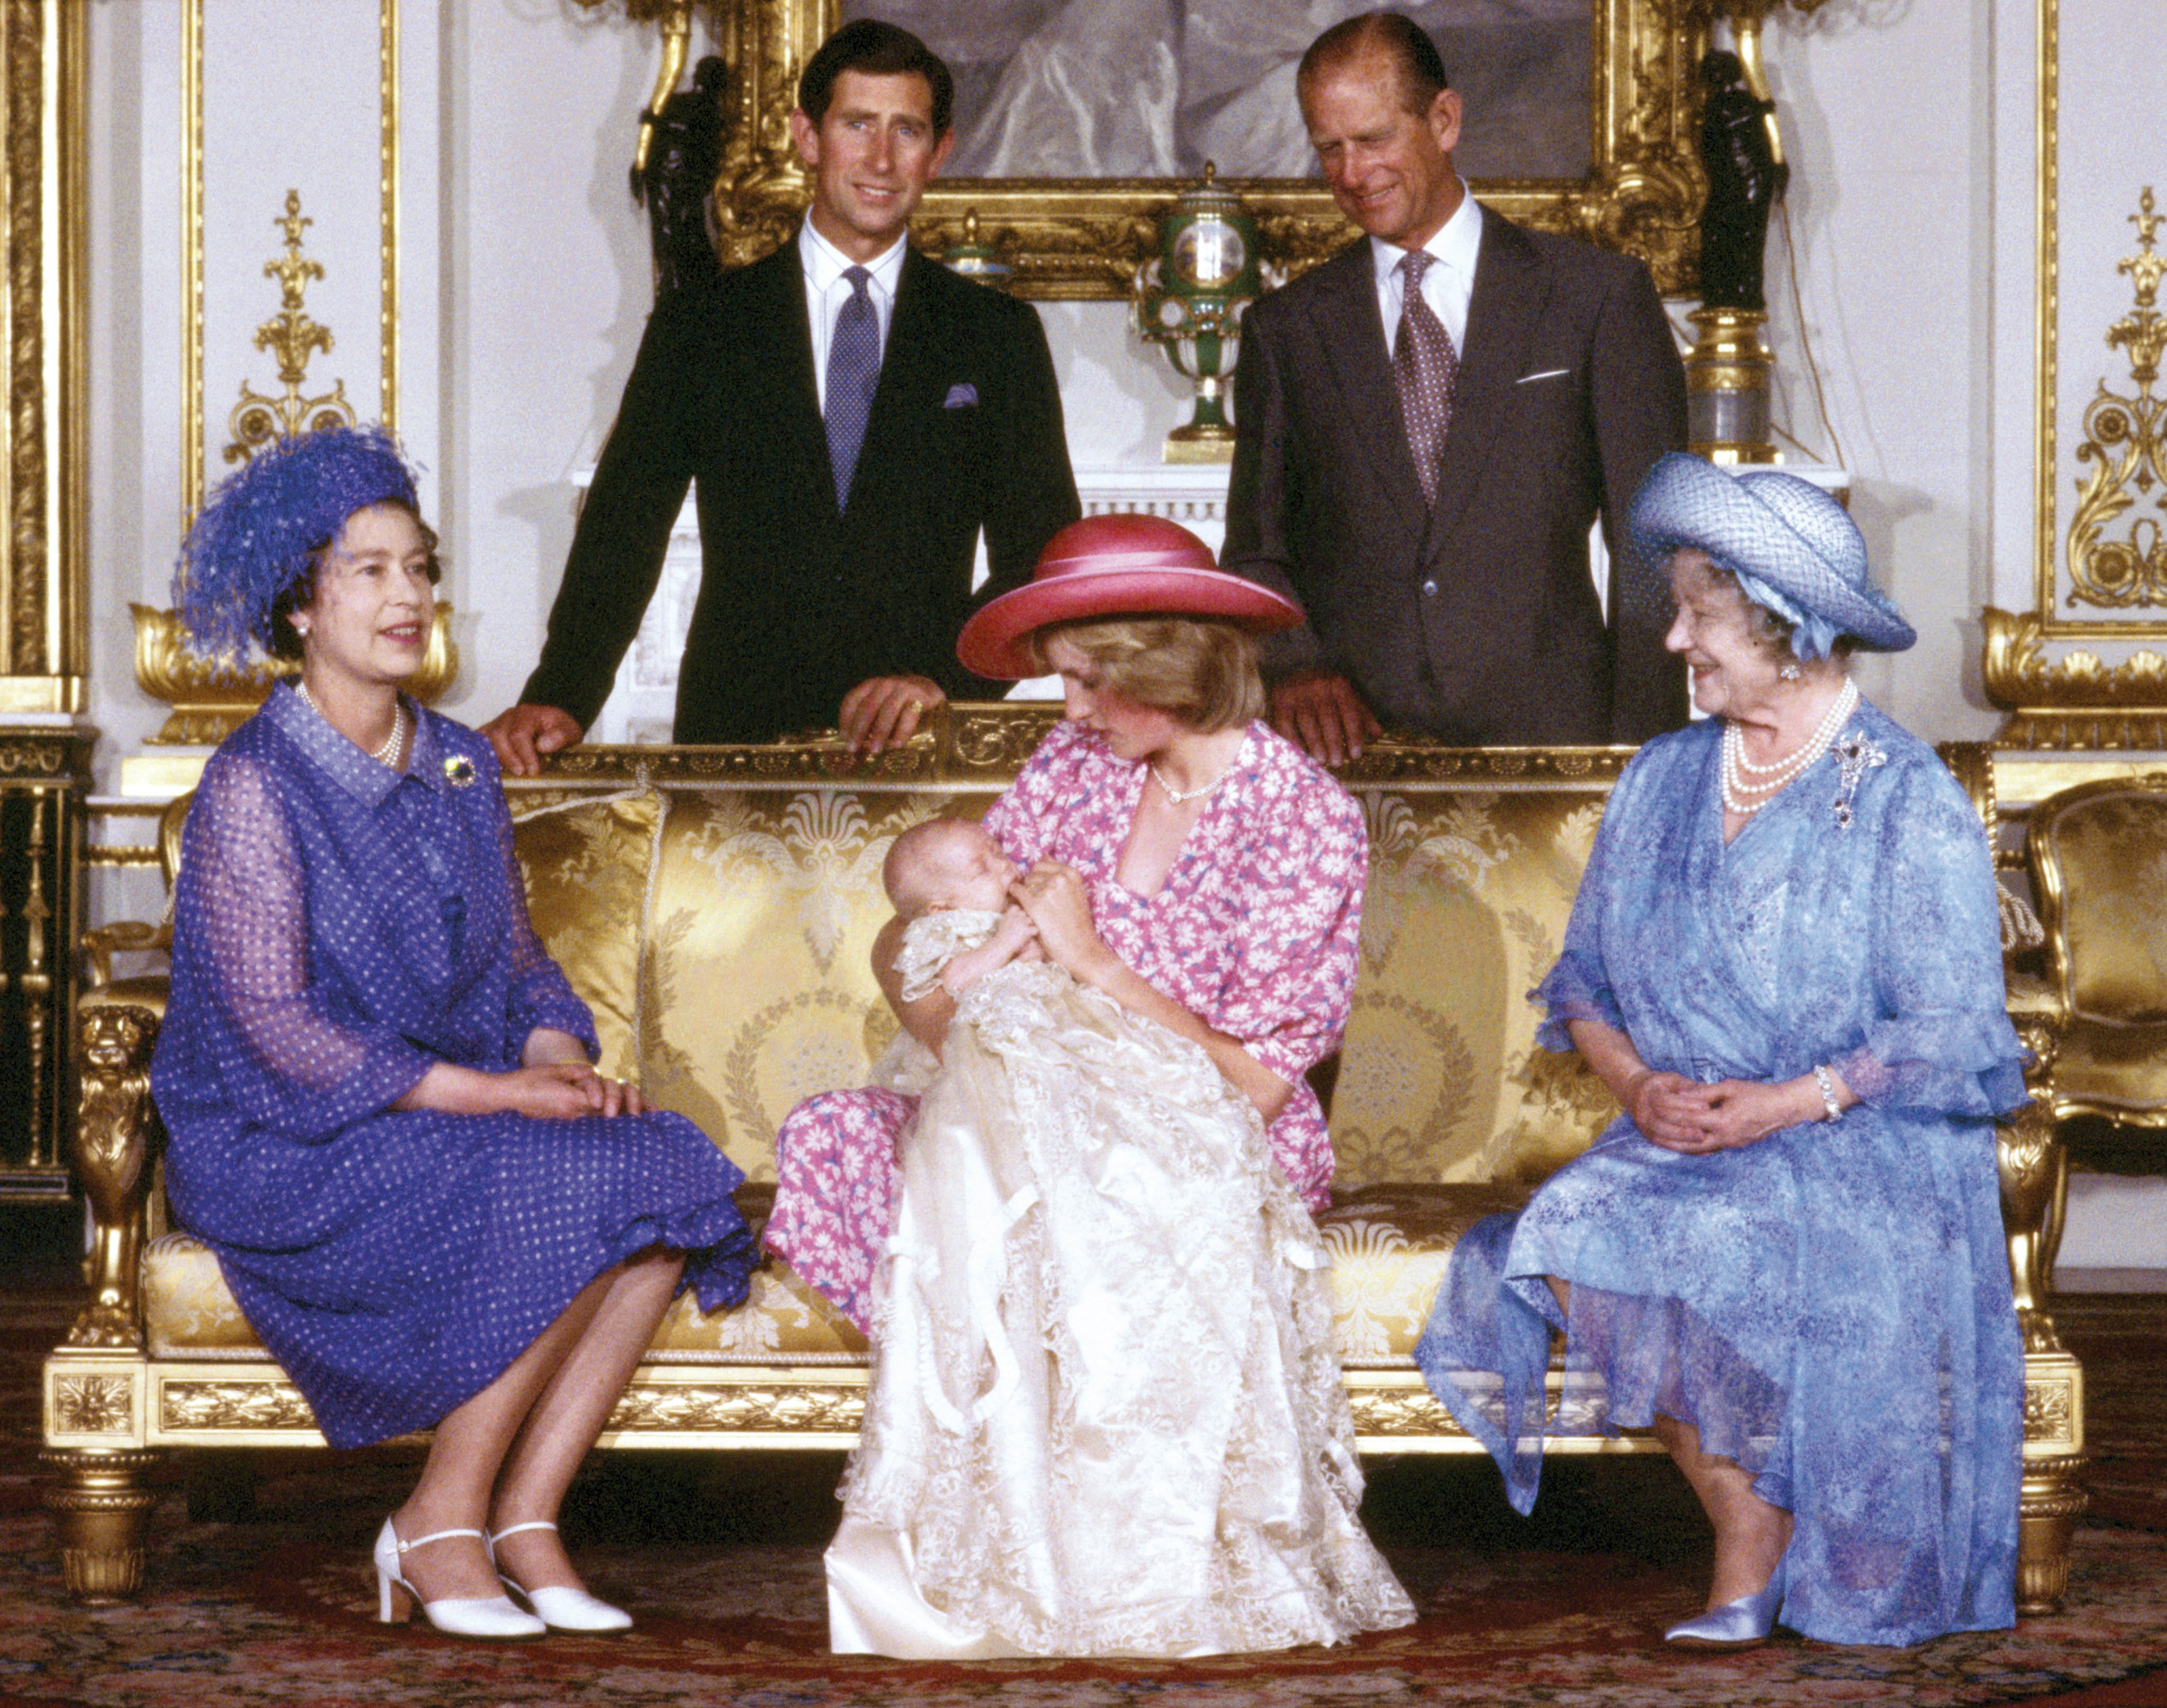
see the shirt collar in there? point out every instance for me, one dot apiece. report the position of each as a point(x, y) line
point(826, 264)
point(367, 780)
point(1456, 242)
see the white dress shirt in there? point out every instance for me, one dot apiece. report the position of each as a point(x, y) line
point(826, 291)
point(1446, 286)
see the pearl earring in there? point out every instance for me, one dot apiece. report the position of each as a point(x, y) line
point(1789, 672)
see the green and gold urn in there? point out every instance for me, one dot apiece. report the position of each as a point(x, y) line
point(1190, 299)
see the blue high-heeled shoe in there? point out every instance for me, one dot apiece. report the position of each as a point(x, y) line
point(1742, 1624)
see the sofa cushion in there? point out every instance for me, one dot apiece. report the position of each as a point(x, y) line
point(1388, 1245)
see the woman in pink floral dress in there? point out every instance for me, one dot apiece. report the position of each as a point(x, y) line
point(1171, 1471)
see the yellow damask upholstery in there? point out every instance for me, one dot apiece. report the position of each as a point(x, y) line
point(756, 909)
point(2099, 857)
point(187, 1309)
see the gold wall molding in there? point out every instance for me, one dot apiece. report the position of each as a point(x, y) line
point(2077, 700)
point(2126, 444)
point(1085, 238)
point(42, 574)
point(292, 336)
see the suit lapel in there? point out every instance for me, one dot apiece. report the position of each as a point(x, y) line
point(911, 368)
point(801, 437)
point(1351, 331)
point(1512, 289)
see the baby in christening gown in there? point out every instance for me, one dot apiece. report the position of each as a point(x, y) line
point(1105, 1416)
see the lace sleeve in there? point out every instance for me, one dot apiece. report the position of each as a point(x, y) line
point(1941, 1040)
point(932, 940)
point(288, 1053)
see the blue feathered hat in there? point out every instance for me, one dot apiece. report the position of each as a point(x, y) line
point(256, 535)
point(1792, 547)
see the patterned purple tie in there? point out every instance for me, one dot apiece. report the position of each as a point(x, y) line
point(1427, 368)
point(854, 360)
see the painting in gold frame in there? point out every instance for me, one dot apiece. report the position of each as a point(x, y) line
point(1084, 237)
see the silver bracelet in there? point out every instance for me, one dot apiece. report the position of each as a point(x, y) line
point(1828, 1093)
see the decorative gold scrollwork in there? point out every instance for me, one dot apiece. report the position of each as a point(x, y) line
point(114, 1131)
point(273, 1403)
point(258, 421)
point(1411, 1412)
point(777, 1410)
point(2046, 1415)
point(93, 1405)
point(2126, 444)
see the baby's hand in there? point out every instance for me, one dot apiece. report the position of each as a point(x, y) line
point(1016, 930)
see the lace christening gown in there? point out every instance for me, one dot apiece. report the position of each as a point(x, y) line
point(1105, 1414)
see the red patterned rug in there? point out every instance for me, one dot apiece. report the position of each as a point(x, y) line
point(719, 1556)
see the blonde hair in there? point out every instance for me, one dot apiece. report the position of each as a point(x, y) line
point(1203, 672)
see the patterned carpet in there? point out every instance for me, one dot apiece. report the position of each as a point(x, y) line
point(719, 1556)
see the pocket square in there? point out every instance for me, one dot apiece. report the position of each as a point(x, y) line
point(1547, 373)
point(960, 396)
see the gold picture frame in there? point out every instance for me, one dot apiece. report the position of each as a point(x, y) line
point(1083, 238)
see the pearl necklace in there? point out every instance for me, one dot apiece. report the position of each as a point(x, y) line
point(1738, 793)
point(1181, 798)
point(388, 754)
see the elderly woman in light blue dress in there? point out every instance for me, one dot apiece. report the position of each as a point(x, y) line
point(1786, 1256)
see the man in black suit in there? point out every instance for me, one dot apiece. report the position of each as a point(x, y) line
point(852, 413)
point(1429, 425)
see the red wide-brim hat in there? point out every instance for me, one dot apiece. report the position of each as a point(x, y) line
point(1118, 565)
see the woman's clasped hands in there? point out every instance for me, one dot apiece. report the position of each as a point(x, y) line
point(553, 1081)
point(1683, 1115)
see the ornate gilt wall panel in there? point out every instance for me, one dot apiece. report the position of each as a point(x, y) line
point(41, 561)
point(1084, 237)
point(2086, 667)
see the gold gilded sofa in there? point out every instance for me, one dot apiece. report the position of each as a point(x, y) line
point(717, 907)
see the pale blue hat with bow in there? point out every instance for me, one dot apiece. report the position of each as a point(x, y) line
point(1792, 547)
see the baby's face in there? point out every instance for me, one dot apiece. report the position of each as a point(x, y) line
point(972, 872)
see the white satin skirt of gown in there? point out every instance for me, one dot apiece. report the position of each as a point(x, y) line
point(1105, 1414)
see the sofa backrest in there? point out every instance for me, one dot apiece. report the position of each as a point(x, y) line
point(717, 907)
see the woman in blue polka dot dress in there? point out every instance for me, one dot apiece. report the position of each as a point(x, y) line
point(377, 1087)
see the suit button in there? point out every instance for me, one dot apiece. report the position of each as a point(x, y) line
point(1429, 590)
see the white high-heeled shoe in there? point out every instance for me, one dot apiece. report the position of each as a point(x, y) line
point(560, 1606)
point(396, 1598)
point(1736, 1625)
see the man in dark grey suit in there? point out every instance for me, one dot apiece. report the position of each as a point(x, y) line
point(1429, 424)
point(851, 414)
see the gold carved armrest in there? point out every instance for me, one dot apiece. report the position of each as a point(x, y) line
point(2035, 1179)
point(122, 938)
point(117, 1132)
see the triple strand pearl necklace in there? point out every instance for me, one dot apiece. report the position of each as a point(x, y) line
point(1746, 797)
point(386, 755)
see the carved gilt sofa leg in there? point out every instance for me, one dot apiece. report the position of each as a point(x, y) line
point(2053, 1502)
point(103, 1513)
point(2035, 1181)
